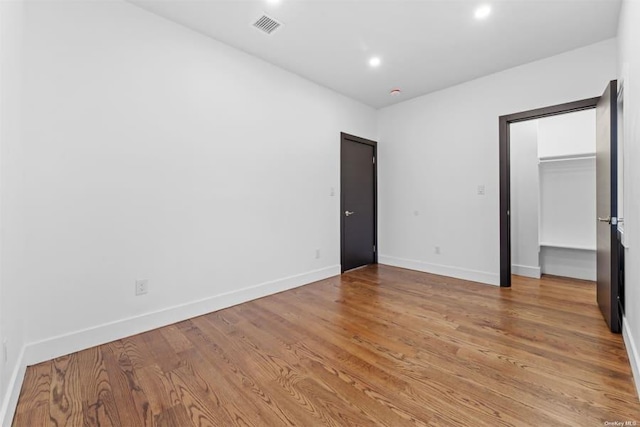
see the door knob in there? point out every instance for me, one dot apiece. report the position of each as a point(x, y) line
point(348, 213)
point(607, 219)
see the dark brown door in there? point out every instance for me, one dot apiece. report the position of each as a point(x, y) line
point(358, 204)
point(607, 205)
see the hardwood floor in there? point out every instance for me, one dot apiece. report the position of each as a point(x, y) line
point(376, 346)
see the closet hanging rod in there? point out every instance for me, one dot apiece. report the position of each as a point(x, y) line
point(571, 157)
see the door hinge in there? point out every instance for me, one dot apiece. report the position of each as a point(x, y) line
point(374, 160)
point(374, 248)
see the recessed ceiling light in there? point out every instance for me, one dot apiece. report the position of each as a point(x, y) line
point(375, 61)
point(482, 12)
point(395, 92)
point(273, 1)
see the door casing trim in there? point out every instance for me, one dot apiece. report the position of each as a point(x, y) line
point(505, 169)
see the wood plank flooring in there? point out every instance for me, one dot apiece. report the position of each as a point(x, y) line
point(376, 346)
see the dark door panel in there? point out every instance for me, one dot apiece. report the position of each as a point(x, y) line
point(607, 206)
point(358, 207)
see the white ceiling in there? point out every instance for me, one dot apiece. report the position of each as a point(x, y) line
point(425, 45)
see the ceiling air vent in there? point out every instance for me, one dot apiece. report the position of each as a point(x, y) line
point(267, 24)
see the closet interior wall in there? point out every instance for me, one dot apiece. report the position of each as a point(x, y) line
point(553, 196)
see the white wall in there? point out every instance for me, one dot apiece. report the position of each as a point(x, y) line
point(568, 134)
point(11, 237)
point(154, 152)
point(525, 200)
point(436, 149)
point(629, 67)
point(568, 218)
point(568, 203)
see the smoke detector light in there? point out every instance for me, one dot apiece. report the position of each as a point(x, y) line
point(482, 12)
point(395, 92)
point(375, 61)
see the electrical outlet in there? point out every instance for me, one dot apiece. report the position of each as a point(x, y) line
point(437, 250)
point(142, 287)
point(332, 192)
point(5, 351)
point(317, 253)
point(481, 190)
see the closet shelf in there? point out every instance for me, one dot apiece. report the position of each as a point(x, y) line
point(567, 246)
point(567, 158)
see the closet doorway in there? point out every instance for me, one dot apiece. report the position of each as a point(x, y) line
point(553, 196)
point(558, 196)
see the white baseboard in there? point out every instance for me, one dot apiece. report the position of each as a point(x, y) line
point(57, 346)
point(10, 399)
point(526, 271)
point(442, 270)
point(632, 352)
